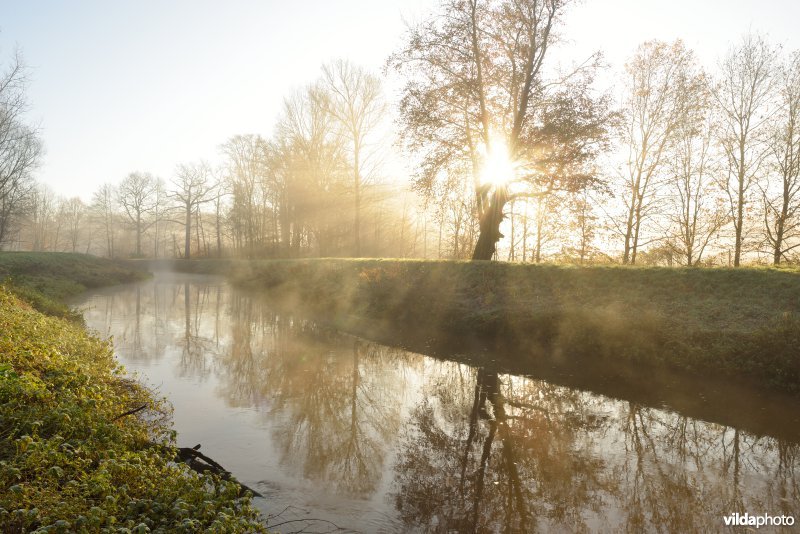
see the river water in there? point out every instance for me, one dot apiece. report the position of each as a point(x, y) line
point(338, 432)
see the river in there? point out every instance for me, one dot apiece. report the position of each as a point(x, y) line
point(338, 432)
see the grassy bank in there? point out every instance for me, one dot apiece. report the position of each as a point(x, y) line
point(70, 461)
point(46, 279)
point(740, 323)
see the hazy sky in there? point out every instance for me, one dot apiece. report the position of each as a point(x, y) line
point(119, 86)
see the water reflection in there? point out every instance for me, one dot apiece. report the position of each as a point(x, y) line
point(333, 403)
point(523, 455)
point(488, 453)
point(377, 438)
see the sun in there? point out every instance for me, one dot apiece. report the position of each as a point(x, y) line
point(498, 167)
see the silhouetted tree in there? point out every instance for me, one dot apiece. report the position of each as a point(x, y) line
point(663, 83)
point(694, 213)
point(476, 92)
point(104, 212)
point(252, 197)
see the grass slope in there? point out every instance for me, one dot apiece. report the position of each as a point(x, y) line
point(743, 323)
point(46, 279)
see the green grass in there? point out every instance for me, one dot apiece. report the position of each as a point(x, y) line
point(741, 323)
point(46, 279)
point(67, 464)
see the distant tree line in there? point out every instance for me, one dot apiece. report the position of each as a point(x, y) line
point(677, 164)
point(318, 187)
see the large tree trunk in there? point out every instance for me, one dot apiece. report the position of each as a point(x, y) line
point(490, 226)
point(777, 252)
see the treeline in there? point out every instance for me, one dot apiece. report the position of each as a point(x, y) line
point(678, 164)
point(708, 162)
point(318, 187)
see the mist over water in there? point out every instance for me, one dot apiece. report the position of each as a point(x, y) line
point(334, 429)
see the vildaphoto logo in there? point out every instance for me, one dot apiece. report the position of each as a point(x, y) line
point(764, 520)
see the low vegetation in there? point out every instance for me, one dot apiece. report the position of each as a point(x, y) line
point(46, 279)
point(70, 460)
point(743, 323)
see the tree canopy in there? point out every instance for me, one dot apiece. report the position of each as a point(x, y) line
point(479, 92)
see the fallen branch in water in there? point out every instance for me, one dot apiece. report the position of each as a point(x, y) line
point(200, 463)
point(130, 412)
point(196, 460)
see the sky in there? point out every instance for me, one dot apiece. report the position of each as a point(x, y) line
point(127, 86)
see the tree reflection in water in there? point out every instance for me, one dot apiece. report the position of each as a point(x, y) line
point(465, 449)
point(511, 454)
point(508, 457)
point(335, 399)
point(198, 345)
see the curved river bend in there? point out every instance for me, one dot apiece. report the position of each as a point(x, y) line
point(338, 431)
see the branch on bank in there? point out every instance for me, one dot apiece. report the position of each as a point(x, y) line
point(200, 463)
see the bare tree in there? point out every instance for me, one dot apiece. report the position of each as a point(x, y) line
point(354, 98)
point(663, 81)
point(744, 94)
point(20, 147)
point(311, 152)
point(782, 197)
point(40, 213)
point(72, 213)
point(695, 212)
point(250, 192)
point(192, 187)
point(584, 224)
point(159, 212)
point(136, 195)
point(545, 223)
point(216, 196)
point(104, 212)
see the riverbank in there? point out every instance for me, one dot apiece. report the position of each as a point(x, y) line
point(743, 324)
point(72, 455)
point(46, 279)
